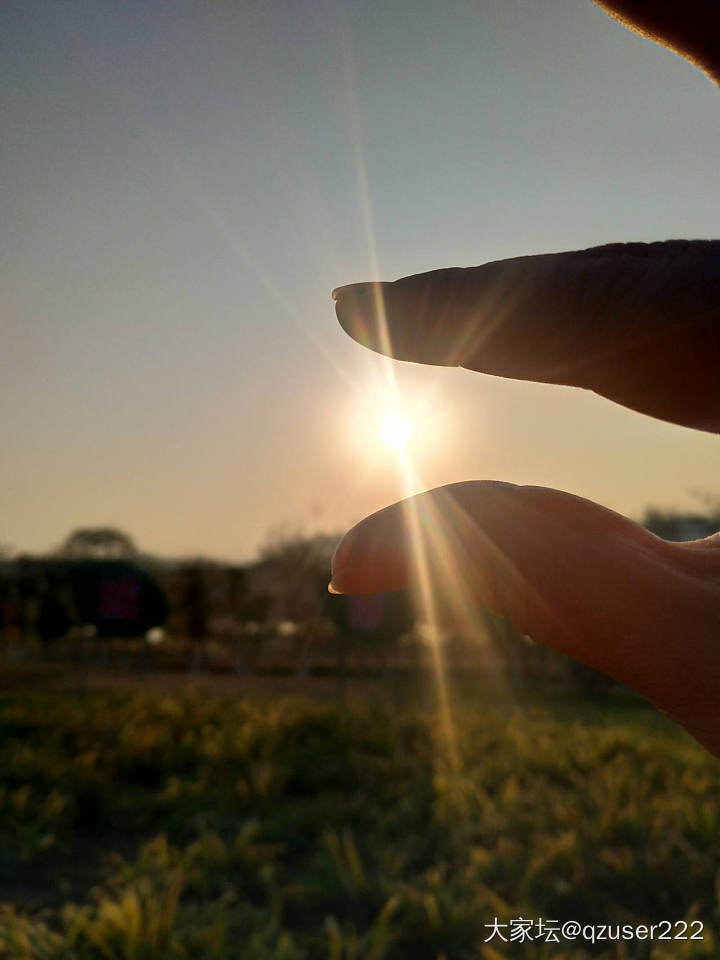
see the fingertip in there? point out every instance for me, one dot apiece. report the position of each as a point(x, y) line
point(420, 318)
point(372, 556)
point(348, 290)
point(359, 310)
point(368, 575)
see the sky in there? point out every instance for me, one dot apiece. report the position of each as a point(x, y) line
point(182, 185)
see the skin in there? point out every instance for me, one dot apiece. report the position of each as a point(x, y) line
point(636, 323)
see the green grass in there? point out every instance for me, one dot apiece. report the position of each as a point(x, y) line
point(157, 826)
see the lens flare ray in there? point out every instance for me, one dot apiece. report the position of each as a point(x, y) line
point(425, 600)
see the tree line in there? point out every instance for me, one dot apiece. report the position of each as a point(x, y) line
point(97, 589)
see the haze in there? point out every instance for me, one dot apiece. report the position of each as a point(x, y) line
point(182, 186)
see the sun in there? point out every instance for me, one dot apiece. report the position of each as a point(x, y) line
point(396, 430)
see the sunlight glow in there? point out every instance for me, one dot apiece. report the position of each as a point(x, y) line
point(427, 610)
point(396, 430)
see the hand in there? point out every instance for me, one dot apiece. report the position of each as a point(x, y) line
point(637, 323)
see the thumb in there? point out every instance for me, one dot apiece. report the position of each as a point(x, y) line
point(574, 576)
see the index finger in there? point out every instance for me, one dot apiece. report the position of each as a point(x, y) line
point(636, 323)
point(689, 29)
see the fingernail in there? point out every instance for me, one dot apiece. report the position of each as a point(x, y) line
point(346, 288)
point(356, 307)
point(332, 589)
point(372, 556)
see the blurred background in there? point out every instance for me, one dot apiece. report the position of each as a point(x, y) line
point(99, 603)
point(202, 752)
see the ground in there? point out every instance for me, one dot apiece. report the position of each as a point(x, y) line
point(269, 819)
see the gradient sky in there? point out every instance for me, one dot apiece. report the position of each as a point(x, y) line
point(184, 183)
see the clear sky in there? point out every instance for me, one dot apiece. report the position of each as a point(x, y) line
point(182, 185)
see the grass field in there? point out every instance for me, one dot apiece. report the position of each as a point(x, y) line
point(167, 824)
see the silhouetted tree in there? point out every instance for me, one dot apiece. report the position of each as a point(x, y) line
point(53, 618)
point(248, 611)
point(376, 621)
point(194, 602)
point(289, 574)
point(97, 542)
point(115, 596)
point(679, 526)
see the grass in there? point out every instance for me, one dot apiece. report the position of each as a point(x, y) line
point(156, 825)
